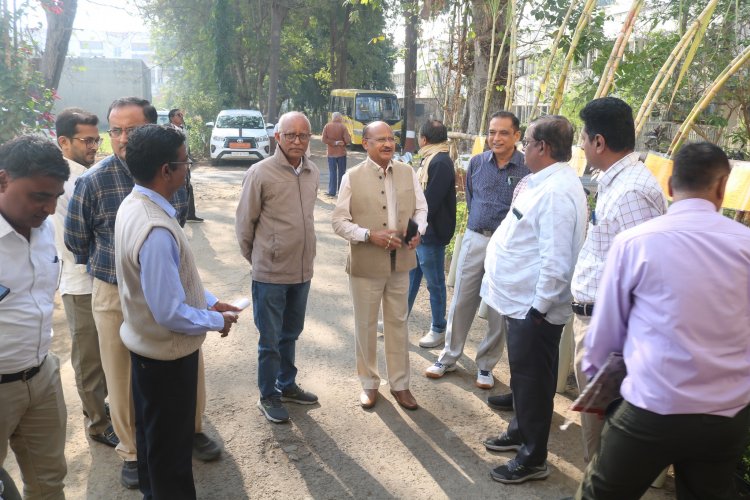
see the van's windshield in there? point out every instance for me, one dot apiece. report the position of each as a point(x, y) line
point(241, 121)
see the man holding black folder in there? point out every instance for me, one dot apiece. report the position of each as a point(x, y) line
point(673, 299)
point(377, 201)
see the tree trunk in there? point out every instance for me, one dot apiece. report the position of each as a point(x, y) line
point(483, 28)
point(411, 18)
point(342, 50)
point(59, 28)
point(278, 13)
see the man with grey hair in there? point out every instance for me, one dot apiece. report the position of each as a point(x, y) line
point(336, 137)
point(275, 228)
point(528, 268)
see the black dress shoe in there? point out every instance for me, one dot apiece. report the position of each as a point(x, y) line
point(195, 219)
point(107, 437)
point(204, 448)
point(129, 474)
point(501, 402)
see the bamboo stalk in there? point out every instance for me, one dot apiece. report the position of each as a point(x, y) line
point(582, 23)
point(494, 6)
point(553, 52)
point(510, 84)
point(737, 63)
point(704, 20)
point(666, 71)
point(608, 76)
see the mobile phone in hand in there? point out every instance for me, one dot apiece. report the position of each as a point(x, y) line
point(411, 230)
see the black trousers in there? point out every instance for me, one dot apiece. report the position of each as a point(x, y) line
point(638, 444)
point(191, 198)
point(164, 393)
point(533, 350)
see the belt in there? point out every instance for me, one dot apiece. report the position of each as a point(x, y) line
point(484, 232)
point(23, 375)
point(583, 309)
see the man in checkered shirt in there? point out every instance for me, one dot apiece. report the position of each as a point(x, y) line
point(627, 195)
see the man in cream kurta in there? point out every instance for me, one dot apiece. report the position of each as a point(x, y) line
point(376, 201)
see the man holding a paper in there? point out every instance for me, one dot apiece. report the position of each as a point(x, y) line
point(673, 298)
point(166, 312)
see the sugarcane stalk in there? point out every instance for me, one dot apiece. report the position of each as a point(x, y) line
point(618, 49)
point(704, 20)
point(737, 63)
point(492, 66)
point(580, 26)
point(666, 71)
point(553, 52)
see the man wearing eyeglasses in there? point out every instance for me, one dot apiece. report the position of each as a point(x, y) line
point(78, 138)
point(379, 198)
point(275, 228)
point(490, 180)
point(177, 122)
point(89, 234)
point(166, 312)
point(528, 268)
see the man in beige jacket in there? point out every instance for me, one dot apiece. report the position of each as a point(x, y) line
point(378, 198)
point(276, 231)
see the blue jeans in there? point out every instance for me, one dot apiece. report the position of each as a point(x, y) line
point(279, 312)
point(336, 169)
point(431, 265)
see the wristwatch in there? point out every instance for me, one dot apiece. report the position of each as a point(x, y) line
point(367, 236)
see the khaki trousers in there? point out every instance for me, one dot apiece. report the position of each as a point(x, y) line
point(367, 296)
point(33, 419)
point(591, 424)
point(86, 361)
point(116, 363)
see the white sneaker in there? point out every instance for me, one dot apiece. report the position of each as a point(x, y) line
point(438, 370)
point(485, 380)
point(432, 339)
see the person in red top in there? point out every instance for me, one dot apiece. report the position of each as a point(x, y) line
point(336, 137)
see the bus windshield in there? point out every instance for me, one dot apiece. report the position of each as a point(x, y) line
point(374, 107)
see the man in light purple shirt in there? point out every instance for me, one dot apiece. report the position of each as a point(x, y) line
point(674, 299)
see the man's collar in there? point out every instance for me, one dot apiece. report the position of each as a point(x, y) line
point(156, 198)
point(374, 165)
point(515, 159)
point(5, 227)
point(613, 171)
point(281, 156)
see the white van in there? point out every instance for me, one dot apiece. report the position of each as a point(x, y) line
point(238, 134)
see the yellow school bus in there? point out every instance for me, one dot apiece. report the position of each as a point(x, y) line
point(360, 107)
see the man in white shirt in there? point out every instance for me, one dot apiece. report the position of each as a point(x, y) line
point(627, 195)
point(78, 138)
point(529, 264)
point(32, 408)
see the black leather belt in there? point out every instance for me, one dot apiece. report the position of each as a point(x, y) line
point(583, 309)
point(23, 375)
point(484, 232)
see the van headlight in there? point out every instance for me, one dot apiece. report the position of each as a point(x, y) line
point(217, 138)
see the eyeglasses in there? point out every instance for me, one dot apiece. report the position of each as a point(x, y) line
point(291, 137)
point(117, 132)
point(189, 163)
point(382, 140)
point(89, 141)
point(525, 143)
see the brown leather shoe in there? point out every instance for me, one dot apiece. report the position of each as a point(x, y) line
point(368, 397)
point(405, 399)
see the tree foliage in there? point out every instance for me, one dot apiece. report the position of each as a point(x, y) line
point(217, 53)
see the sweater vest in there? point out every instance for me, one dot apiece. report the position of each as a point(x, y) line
point(368, 210)
point(141, 334)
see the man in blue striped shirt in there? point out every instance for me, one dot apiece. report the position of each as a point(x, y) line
point(490, 180)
